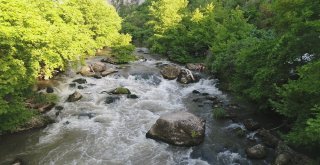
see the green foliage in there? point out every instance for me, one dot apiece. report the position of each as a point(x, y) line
point(123, 54)
point(219, 113)
point(300, 102)
point(12, 113)
point(37, 37)
point(194, 134)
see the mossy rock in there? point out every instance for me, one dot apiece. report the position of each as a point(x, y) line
point(121, 90)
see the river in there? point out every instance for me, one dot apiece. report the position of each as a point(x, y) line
point(116, 132)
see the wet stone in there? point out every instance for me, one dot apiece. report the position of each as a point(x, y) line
point(49, 90)
point(59, 108)
point(72, 85)
point(132, 96)
point(80, 81)
point(195, 92)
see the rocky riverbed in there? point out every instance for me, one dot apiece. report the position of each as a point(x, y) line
point(106, 119)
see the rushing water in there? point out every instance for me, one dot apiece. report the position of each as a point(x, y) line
point(116, 132)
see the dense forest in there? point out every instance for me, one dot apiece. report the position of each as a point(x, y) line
point(39, 38)
point(266, 52)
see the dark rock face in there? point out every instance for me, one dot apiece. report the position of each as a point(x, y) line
point(251, 125)
point(74, 97)
point(178, 128)
point(120, 90)
point(49, 90)
point(195, 92)
point(267, 138)
point(80, 81)
point(59, 108)
point(111, 99)
point(256, 152)
point(132, 96)
point(170, 72)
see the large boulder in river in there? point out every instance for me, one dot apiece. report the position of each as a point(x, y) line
point(170, 72)
point(186, 77)
point(74, 97)
point(257, 152)
point(99, 67)
point(179, 128)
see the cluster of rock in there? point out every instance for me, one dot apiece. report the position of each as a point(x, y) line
point(97, 70)
point(284, 155)
point(119, 91)
point(183, 75)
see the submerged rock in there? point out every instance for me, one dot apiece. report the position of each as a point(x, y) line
point(74, 97)
point(170, 72)
point(132, 96)
point(120, 90)
point(80, 81)
point(111, 99)
point(59, 108)
point(178, 128)
point(256, 152)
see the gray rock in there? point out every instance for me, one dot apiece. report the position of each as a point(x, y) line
point(74, 97)
point(108, 72)
point(99, 67)
point(186, 77)
point(170, 72)
point(195, 66)
point(97, 75)
point(256, 152)
point(178, 128)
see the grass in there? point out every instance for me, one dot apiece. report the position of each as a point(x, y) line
point(219, 113)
